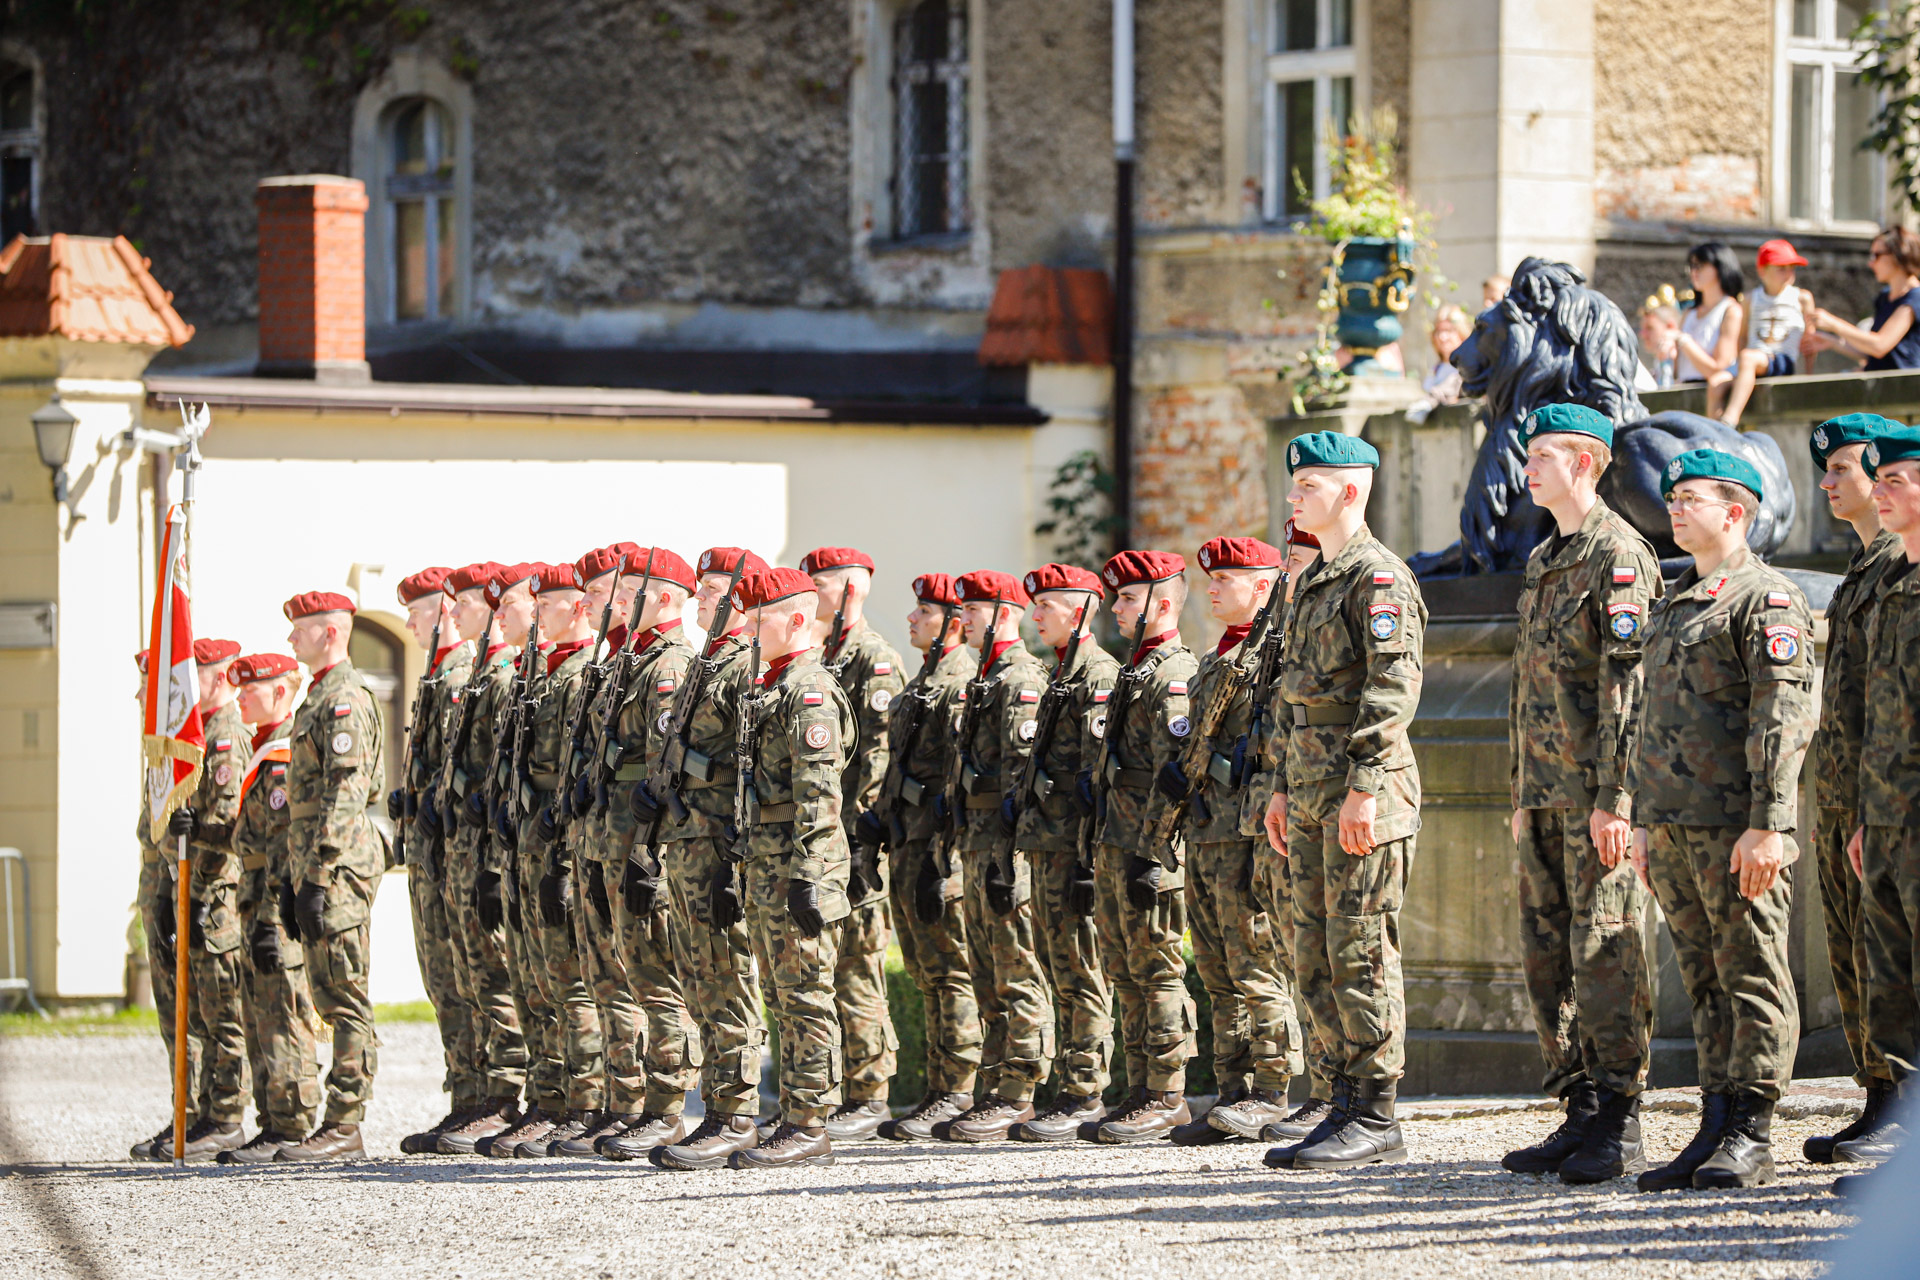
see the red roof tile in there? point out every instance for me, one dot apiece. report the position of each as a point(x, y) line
point(87, 288)
point(1049, 315)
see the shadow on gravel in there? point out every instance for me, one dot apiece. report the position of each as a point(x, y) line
point(69, 1246)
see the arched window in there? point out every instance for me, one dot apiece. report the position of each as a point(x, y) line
point(421, 210)
point(380, 658)
point(930, 120)
point(19, 151)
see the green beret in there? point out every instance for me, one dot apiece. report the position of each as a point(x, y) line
point(1896, 444)
point(1711, 464)
point(1330, 449)
point(1574, 418)
point(1851, 428)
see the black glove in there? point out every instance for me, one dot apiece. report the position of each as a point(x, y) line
point(264, 944)
point(184, 822)
point(1080, 891)
point(547, 825)
point(597, 891)
point(556, 894)
point(1009, 814)
point(863, 871)
point(164, 922)
point(197, 926)
point(504, 829)
point(488, 902)
point(1083, 797)
point(1143, 883)
point(515, 916)
point(869, 831)
point(289, 915)
point(582, 793)
point(397, 803)
point(1171, 782)
point(803, 904)
point(929, 895)
point(310, 908)
point(999, 888)
point(640, 888)
point(723, 901)
point(428, 815)
point(473, 810)
point(1238, 770)
point(642, 805)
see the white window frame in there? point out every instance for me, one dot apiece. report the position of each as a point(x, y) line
point(430, 192)
point(959, 119)
point(410, 75)
point(1830, 52)
point(1322, 66)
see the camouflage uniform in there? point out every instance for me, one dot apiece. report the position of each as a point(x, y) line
point(1009, 977)
point(716, 965)
point(331, 842)
point(1256, 1030)
point(577, 1041)
point(1890, 846)
point(482, 952)
point(869, 670)
point(1836, 770)
point(217, 983)
point(1050, 834)
point(280, 1018)
point(1349, 685)
point(454, 1008)
point(792, 831)
point(157, 878)
point(1142, 949)
point(1575, 694)
point(1729, 711)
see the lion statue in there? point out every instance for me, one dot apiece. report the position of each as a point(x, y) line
point(1553, 339)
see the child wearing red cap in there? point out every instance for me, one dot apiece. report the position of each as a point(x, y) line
point(1779, 313)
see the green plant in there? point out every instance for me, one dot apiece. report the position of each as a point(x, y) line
point(1366, 201)
point(1889, 61)
point(1318, 381)
point(1080, 498)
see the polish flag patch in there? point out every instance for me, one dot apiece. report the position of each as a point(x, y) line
point(663, 686)
point(1778, 600)
point(1029, 695)
point(883, 668)
point(1624, 575)
point(1177, 686)
point(223, 744)
point(1101, 695)
point(812, 699)
point(342, 709)
point(1383, 577)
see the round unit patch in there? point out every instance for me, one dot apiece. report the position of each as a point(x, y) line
point(1385, 621)
point(1624, 625)
point(1029, 729)
point(1783, 644)
point(1179, 726)
point(342, 743)
point(818, 735)
point(1100, 725)
point(222, 776)
point(277, 798)
point(881, 699)
point(661, 722)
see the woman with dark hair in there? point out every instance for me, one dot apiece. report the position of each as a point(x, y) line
point(1893, 340)
point(1709, 338)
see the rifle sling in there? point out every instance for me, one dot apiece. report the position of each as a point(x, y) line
point(1319, 717)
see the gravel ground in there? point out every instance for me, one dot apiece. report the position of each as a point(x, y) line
point(71, 1204)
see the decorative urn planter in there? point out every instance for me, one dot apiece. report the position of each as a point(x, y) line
point(1376, 286)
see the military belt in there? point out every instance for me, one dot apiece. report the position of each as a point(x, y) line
point(972, 780)
point(767, 814)
point(544, 781)
point(305, 809)
point(630, 772)
point(253, 862)
point(1318, 717)
point(1132, 779)
point(987, 801)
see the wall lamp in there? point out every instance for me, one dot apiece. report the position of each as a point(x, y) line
point(53, 428)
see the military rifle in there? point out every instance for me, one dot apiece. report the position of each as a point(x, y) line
point(462, 735)
point(1266, 669)
point(599, 764)
point(837, 633)
point(590, 680)
point(910, 712)
point(1035, 785)
point(410, 790)
point(1123, 691)
point(953, 794)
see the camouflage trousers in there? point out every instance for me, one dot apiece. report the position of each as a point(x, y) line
point(1272, 894)
point(604, 970)
point(538, 1018)
point(574, 1040)
point(1890, 921)
point(716, 968)
point(1732, 956)
point(1082, 1002)
point(1840, 903)
point(800, 981)
point(1009, 981)
point(936, 959)
point(657, 1058)
point(337, 971)
point(1346, 925)
point(218, 986)
point(280, 1044)
point(160, 969)
point(868, 1043)
point(1148, 971)
point(1256, 1031)
point(481, 955)
point(1583, 951)
point(433, 946)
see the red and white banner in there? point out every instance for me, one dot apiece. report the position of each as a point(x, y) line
point(173, 741)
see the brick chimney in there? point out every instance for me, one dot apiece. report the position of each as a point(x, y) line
point(313, 288)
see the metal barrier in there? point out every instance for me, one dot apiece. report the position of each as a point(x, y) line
point(18, 977)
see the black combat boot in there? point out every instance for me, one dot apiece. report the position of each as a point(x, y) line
point(1852, 1184)
point(1612, 1147)
point(534, 1125)
point(1880, 1095)
point(1880, 1138)
point(1300, 1123)
point(1744, 1155)
point(427, 1141)
point(1158, 1113)
point(934, 1110)
point(143, 1150)
point(857, 1121)
point(1251, 1116)
point(1332, 1119)
point(328, 1142)
point(790, 1145)
point(571, 1125)
point(1678, 1176)
point(585, 1146)
point(261, 1150)
point(495, 1116)
point(1546, 1156)
point(986, 1120)
point(708, 1147)
point(639, 1138)
point(1062, 1119)
point(206, 1139)
point(1369, 1135)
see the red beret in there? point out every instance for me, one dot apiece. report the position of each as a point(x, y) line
point(555, 577)
point(603, 560)
point(1064, 577)
point(1132, 567)
point(308, 603)
point(991, 584)
point(760, 587)
point(667, 567)
point(507, 577)
point(427, 582)
point(936, 588)
point(820, 559)
point(206, 652)
point(1240, 553)
point(723, 559)
point(1298, 537)
point(470, 576)
point(259, 666)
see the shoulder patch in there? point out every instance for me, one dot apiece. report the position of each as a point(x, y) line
point(1624, 575)
point(1384, 620)
point(342, 743)
point(223, 775)
point(883, 668)
point(1179, 726)
point(342, 709)
point(818, 735)
point(880, 699)
point(277, 798)
point(1176, 686)
point(1783, 643)
point(1029, 695)
point(1383, 577)
point(1779, 600)
point(812, 698)
point(1623, 619)
point(1028, 729)
point(664, 686)
point(220, 744)
point(1101, 695)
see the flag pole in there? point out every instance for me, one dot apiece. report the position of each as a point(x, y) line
point(191, 429)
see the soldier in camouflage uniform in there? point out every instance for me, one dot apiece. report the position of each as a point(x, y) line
point(1714, 779)
point(1575, 694)
point(430, 617)
point(713, 947)
point(1256, 1031)
point(1140, 898)
point(868, 669)
point(793, 842)
point(279, 1008)
point(336, 858)
point(926, 909)
point(1066, 598)
point(1346, 802)
point(1837, 446)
